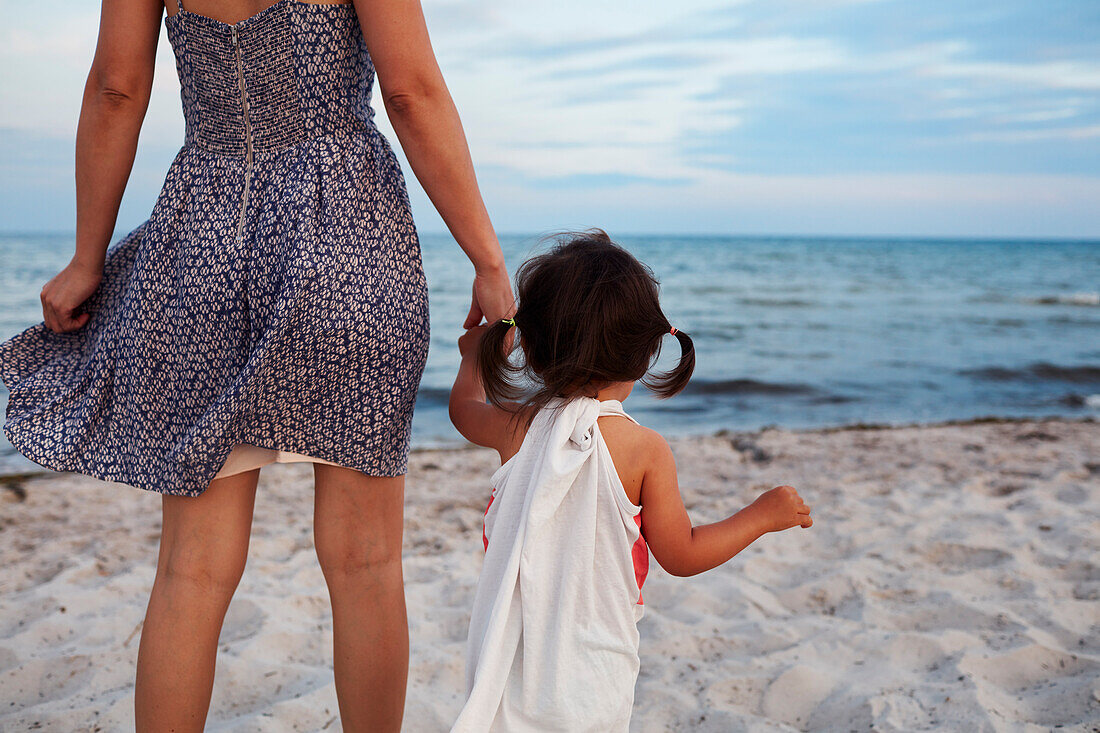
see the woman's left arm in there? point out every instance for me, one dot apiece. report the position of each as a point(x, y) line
point(116, 96)
point(427, 124)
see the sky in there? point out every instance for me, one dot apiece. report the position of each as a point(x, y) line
point(821, 117)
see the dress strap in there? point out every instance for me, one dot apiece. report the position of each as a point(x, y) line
point(614, 407)
point(179, 5)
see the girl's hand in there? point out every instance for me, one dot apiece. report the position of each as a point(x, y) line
point(468, 341)
point(492, 297)
point(782, 508)
point(62, 295)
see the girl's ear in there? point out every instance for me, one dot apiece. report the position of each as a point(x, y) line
point(673, 381)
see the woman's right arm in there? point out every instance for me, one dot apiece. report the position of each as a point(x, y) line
point(427, 124)
point(116, 96)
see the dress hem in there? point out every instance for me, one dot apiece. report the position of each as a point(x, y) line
point(51, 464)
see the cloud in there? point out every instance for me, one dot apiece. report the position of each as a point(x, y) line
point(1041, 115)
point(1052, 133)
point(679, 97)
point(775, 104)
point(624, 107)
point(1080, 75)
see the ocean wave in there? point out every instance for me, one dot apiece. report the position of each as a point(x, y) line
point(1091, 401)
point(1040, 370)
point(777, 302)
point(1078, 319)
point(732, 332)
point(833, 399)
point(991, 297)
point(1082, 299)
point(747, 387)
point(995, 322)
point(433, 395)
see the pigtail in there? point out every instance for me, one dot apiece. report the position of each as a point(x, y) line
point(666, 384)
point(494, 368)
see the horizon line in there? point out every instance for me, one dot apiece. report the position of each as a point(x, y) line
point(550, 233)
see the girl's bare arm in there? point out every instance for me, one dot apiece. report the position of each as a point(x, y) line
point(682, 549)
point(478, 421)
point(116, 96)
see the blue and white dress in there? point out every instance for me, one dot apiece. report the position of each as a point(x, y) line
point(275, 297)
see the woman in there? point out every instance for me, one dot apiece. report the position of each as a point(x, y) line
point(273, 308)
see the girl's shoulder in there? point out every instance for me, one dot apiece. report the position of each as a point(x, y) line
point(632, 447)
point(631, 433)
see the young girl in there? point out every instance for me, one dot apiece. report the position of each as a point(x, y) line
point(583, 494)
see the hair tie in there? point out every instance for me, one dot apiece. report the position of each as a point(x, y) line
point(509, 321)
point(673, 330)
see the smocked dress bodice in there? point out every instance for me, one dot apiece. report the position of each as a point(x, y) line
point(289, 73)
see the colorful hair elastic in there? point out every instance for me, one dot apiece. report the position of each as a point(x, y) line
point(509, 321)
point(673, 331)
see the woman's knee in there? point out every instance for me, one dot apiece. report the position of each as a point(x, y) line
point(357, 524)
point(211, 571)
point(350, 552)
point(204, 543)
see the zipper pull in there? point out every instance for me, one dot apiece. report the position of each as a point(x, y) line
point(233, 34)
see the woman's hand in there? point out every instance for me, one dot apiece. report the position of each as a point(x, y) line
point(492, 297)
point(62, 295)
point(782, 508)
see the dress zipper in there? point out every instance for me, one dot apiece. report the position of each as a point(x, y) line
point(247, 131)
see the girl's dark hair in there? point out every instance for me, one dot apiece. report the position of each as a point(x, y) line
point(588, 315)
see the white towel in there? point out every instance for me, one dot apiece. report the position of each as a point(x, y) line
point(553, 639)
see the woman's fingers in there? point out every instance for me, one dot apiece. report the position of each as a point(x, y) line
point(62, 320)
point(49, 317)
point(63, 295)
point(473, 318)
point(70, 323)
point(807, 521)
point(492, 299)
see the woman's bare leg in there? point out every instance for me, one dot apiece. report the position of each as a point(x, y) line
point(357, 526)
point(203, 548)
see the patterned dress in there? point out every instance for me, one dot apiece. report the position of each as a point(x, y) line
point(274, 298)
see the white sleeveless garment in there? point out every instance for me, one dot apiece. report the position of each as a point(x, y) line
point(553, 642)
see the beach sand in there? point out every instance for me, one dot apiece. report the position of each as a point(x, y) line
point(951, 582)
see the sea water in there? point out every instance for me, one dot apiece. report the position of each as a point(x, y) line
point(793, 331)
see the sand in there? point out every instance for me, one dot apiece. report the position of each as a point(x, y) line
point(952, 582)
